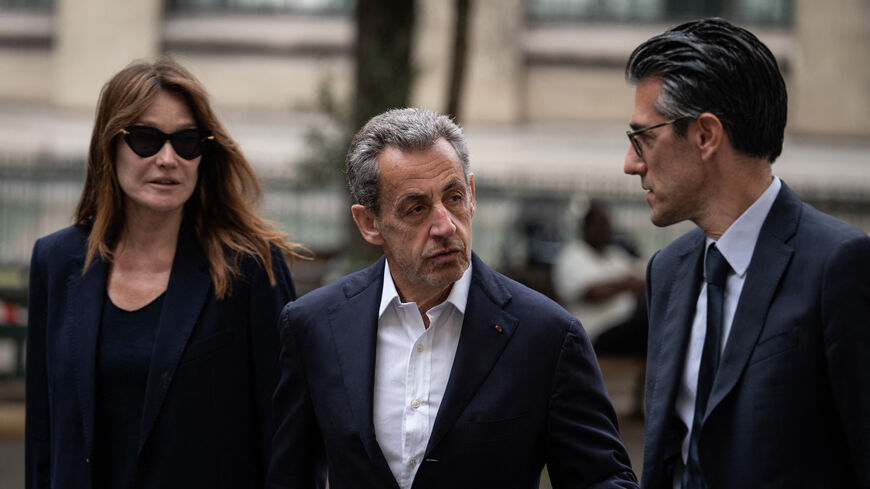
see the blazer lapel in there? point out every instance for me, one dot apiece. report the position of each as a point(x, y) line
point(354, 326)
point(668, 355)
point(87, 294)
point(480, 346)
point(189, 286)
point(769, 262)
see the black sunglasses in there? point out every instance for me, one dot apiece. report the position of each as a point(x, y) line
point(146, 141)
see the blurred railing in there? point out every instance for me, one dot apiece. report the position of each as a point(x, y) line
point(513, 221)
point(518, 228)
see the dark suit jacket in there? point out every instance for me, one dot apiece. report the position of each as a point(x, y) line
point(790, 406)
point(207, 419)
point(515, 400)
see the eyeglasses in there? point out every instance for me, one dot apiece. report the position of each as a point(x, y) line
point(636, 144)
point(146, 141)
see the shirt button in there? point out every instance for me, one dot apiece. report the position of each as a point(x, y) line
point(419, 347)
point(412, 462)
point(415, 404)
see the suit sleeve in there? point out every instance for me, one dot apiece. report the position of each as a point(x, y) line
point(584, 448)
point(846, 322)
point(265, 306)
point(37, 446)
point(298, 453)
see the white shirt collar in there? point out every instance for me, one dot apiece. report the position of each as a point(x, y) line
point(458, 294)
point(738, 241)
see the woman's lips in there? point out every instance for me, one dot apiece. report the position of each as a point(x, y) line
point(164, 182)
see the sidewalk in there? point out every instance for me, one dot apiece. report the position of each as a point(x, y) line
point(11, 433)
point(11, 409)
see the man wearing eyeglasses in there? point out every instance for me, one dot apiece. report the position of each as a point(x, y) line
point(758, 368)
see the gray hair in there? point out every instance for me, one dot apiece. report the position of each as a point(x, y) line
point(408, 129)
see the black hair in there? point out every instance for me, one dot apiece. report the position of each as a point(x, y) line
point(711, 65)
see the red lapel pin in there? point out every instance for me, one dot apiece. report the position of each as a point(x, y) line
point(498, 329)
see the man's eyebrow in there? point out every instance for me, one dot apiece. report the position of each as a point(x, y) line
point(412, 197)
point(634, 126)
point(452, 184)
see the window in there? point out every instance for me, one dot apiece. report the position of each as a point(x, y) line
point(27, 5)
point(319, 7)
point(764, 12)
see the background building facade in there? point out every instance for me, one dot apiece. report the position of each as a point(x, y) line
point(544, 105)
point(544, 102)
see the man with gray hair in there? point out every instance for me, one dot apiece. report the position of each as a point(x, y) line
point(428, 369)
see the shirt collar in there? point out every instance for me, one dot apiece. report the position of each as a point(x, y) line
point(458, 294)
point(738, 241)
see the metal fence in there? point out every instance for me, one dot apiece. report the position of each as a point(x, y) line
point(512, 224)
point(515, 223)
point(518, 227)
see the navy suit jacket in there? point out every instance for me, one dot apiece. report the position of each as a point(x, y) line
point(516, 399)
point(207, 419)
point(790, 406)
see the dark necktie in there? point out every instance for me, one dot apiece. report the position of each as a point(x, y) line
point(717, 270)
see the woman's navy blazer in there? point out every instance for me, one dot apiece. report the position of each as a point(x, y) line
point(207, 420)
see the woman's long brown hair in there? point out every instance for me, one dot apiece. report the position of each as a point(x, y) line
point(221, 208)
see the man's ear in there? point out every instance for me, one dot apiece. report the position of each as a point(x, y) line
point(710, 136)
point(367, 224)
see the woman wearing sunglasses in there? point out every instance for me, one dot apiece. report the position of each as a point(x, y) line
point(152, 351)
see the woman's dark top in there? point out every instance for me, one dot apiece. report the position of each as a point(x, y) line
point(207, 418)
point(126, 340)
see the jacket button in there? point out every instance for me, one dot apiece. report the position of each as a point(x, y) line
point(88, 461)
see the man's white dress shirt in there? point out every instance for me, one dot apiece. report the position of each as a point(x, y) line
point(578, 267)
point(736, 244)
point(412, 367)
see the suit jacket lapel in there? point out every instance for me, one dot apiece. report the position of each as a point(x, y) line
point(480, 346)
point(354, 325)
point(189, 286)
point(87, 294)
point(673, 333)
point(769, 262)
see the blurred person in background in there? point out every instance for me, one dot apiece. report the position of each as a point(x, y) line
point(429, 369)
point(758, 373)
point(152, 352)
point(602, 284)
